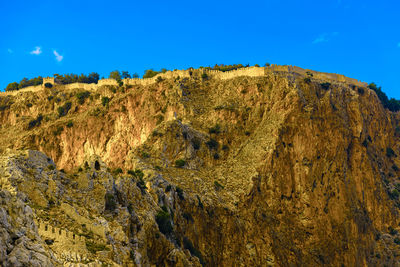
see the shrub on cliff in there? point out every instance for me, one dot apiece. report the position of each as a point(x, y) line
point(105, 100)
point(110, 202)
point(35, 122)
point(12, 87)
point(187, 244)
point(81, 96)
point(390, 104)
point(163, 220)
point(180, 163)
point(63, 110)
point(212, 144)
point(150, 73)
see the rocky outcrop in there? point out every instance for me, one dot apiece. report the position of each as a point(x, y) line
point(249, 171)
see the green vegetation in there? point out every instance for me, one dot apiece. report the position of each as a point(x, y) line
point(224, 68)
point(180, 163)
point(74, 78)
point(179, 191)
point(63, 110)
point(12, 87)
point(394, 194)
point(116, 75)
point(389, 152)
point(325, 86)
point(150, 73)
point(216, 155)
point(81, 96)
point(187, 216)
point(25, 82)
point(196, 143)
point(70, 124)
point(35, 122)
point(307, 79)
point(58, 130)
point(93, 247)
point(216, 129)
point(163, 219)
point(105, 100)
point(136, 173)
point(392, 231)
point(110, 202)
point(187, 244)
point(390, 104)
point(212, 144)
point(218, 186)
point(117, 171)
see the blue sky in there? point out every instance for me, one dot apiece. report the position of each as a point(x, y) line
point(360, 39)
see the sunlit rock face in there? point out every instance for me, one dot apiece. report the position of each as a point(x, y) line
point(256, 168)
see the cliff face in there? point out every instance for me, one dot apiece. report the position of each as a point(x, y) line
point(249, 171)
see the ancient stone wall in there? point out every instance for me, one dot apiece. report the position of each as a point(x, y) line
point(250, 72)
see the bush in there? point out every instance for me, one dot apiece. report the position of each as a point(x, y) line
point(212, 144)
point(389, 152)
point(35, 122)
point(159, 79)
point(187, 244)
point(163, 220)
point(63, 110)
point(110, 202)
point(105, 100)
point(218, 186)
point(136, 173)
point(93, 247)
point(204, 76)
point(196, 143)
point(142, 186)
point(70, 124)
point(150, 73)
point(307, 79)
point(117, 171)
point(392, 104)
point(392, 231)
point(48, 85)
point(81, 96)
point(58, 130)
point(179, 191)
point(216, 156)
point(325, 86)
point(216, 129)
point(180, 163)
point(12, 87)
point(394, 194)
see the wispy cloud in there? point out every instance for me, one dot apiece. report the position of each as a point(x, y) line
point(37, 51)
point(10, 51)
point(59, 57)
point(325, 37)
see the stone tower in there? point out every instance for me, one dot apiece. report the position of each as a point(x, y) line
point(48, 80)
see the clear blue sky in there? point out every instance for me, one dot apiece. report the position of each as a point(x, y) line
point(360, 39)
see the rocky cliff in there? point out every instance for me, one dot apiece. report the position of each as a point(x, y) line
point(275, 170)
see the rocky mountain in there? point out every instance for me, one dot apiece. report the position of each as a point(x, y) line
point(279, 169)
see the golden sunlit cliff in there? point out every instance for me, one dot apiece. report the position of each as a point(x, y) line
point(265, 167)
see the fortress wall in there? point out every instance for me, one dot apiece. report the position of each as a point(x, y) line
point(48, 231)
point(86, 86)
point(107, 82)
point(249, 71)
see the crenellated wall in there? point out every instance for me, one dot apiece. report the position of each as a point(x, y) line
point(249, 71)
point(48, 231)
